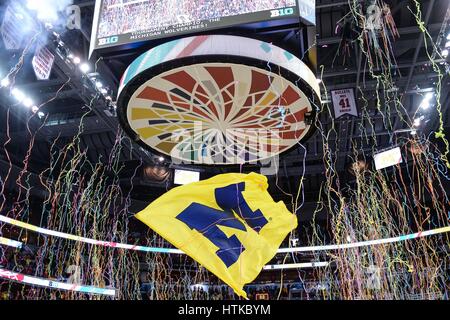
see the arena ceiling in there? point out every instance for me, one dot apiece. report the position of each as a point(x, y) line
point(68, 97)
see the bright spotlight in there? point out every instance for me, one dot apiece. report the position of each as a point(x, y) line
point(5, 82)
point(46, 11)
point(19, 95)
point(429, 96)
point(444, 53)
point(447, 44)
point(76, 60)
point(41, 114)
point(98, 84)
point(104, 91)
point(35, 109)
point(28, 102)
point(32, 4)
point(85, 68)
point(417, 122)
point(425, 104)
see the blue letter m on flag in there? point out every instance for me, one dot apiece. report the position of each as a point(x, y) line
point(206, 221)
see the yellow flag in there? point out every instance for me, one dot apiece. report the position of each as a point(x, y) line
point(229, 224)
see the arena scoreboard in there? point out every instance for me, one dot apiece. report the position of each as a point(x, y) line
point(124, 22)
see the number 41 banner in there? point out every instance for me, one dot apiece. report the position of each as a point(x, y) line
point(344, 102)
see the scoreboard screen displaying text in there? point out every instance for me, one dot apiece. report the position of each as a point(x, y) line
point(120, 22)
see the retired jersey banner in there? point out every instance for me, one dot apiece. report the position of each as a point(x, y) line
point(12, 28)
point(43, 63)
point(229, 224)
point(344, 102)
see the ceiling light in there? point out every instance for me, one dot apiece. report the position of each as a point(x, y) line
point(41, 114)
point(425, 104)
point(45, 10)
point(98, 84)
point(444, 53)
point(448, 36)
point(161, 159)
point(28, 102)
point(35, 109)
point(429, 96)
point(413, 132)
point(5, 82)
point(76, 60)
point(32, 5)
point(447, 44)
point(85, 68)
point(417, 122)
point(19, 95)
point(104, 91)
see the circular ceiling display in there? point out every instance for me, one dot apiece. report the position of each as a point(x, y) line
point(221, 100)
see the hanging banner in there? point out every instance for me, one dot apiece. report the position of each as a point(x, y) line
point(12, 28)
point(42, 63)
point(344, 102)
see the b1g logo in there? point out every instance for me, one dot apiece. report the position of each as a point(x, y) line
point(110, 40)
point(281, 12)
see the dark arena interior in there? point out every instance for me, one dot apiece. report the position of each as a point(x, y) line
point(224, 150)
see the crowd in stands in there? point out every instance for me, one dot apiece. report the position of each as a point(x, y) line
point(24, 261)
point(223, 292)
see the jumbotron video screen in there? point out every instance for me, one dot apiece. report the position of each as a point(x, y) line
point(119, 22)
